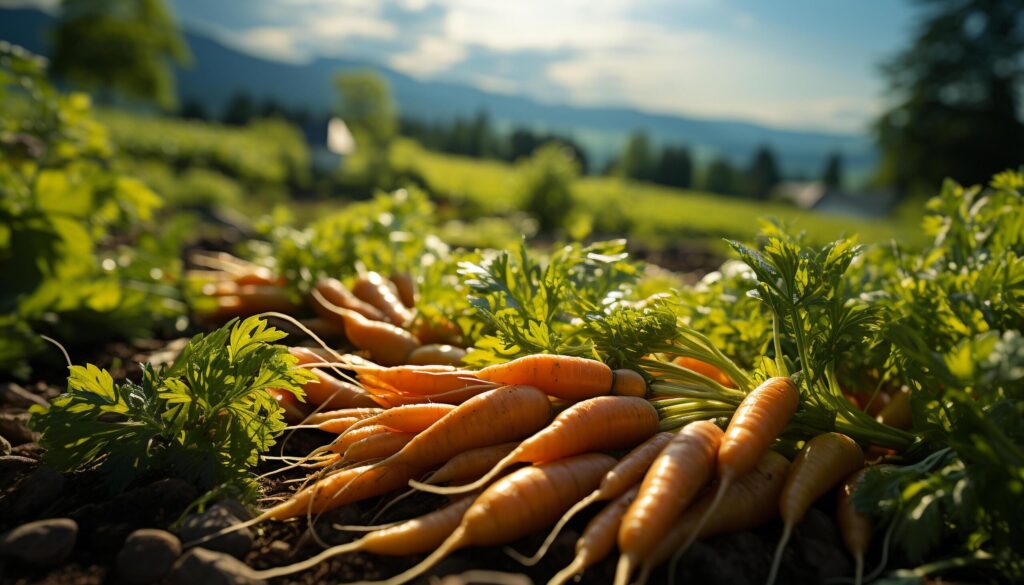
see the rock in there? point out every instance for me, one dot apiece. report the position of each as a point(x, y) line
point(216, 518)
point(15, 395)
point(478, 576)
point(277, 552)
point(147, 556)
point(38, 490)
point(819, 545)
point(5, 447)
point(235, 508)
point(42, 543)
point(14, 428)
point(208, 567)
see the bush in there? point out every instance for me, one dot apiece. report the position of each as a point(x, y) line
point(546, 184)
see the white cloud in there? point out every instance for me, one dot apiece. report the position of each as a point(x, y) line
point(430, 56)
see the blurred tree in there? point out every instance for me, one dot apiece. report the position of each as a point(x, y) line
point(637, 160)
point(956, 109)
point(239, 110)
point(720, 177)
point(763, 174)
point(546, 183)
point(193, 109)
point(674, 167)
point(125, 47)
point(832, 176)
point(366, 106)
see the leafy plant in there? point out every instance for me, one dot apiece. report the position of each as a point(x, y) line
point(206, 418)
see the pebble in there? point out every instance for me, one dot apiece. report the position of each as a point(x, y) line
point(42, 543)
point(14, 428)
point(208, 567)
point(37, 491)
point(147, 556)
point(278, 552)
point(216, 518)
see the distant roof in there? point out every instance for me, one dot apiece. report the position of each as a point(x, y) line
point(804, 194)
point(339, 138)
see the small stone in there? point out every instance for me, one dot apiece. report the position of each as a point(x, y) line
point(278, 552)
point(38, 490)
point(215, 519)
point(208, 567)
point(235, 508)
point(14, 428)
point(147, 556)
point(42, 543)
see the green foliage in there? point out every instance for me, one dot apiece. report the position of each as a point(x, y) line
point(122, 46)
point(956, 110)
point(546, 183)
point(762, 175)
point(366, 106)
point(206, 418)
point(67, 214)
point(264, 154)
point(531, 304)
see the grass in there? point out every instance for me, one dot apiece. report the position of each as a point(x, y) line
point(649, 213)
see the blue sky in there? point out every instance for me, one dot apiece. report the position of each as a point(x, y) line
point(793, 63)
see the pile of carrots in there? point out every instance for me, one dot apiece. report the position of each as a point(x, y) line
point(524, 446)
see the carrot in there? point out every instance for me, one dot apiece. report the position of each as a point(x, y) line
point(749, 507)
point(259, 275)
point(324, 327)
point(823, 462)
point(377, 446)
point(626, 473)
point(854, 527)
point(504, 414)
point(437, 331)
point(329, 392)
point(293, 409)
point(356, 413)
point(346, 440)
point(705, 369)
point(566, 377)
point(338, 295)
point(337, 426)
point(389, 345)
point(407, 419)
point(411, 537)
point(521, 503)
point(628, 383)
point(405, 284)
point(685, 465)
point(471, 464)
point(436, 353)
point(600, 424)
point(598, 537)
point(422, 380)
point(373, 289)
point(897, 412)
point(757, 422)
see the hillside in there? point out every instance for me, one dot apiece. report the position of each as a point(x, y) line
point(219, 71)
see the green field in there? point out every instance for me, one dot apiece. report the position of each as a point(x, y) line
point(652, 214)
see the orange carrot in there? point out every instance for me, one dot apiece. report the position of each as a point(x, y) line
point(604, 423)
point(705, 369)
point(389, 345)
point(628, 383)
point(407, 419)
point(437, 354)
point(356, 413)
point(626, 473)
point(504, 414)
point(338, 425)
point(373, 289)
point(422, 380)
point(405, 284)
point(897, 412)
point(416, 536)
point(566, 377)
point(685, 465)
point(522, 502)
point(854, 527)
point(336, 294)
point(330, 392)
point(749, 506)
point(472, 464)
point(435, 331)
point(598, 538)
point(344, 441)
point(823, 462)
point(757, 422)
point(377, 446)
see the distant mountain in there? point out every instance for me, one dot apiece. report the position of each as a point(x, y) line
point(218, 72)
